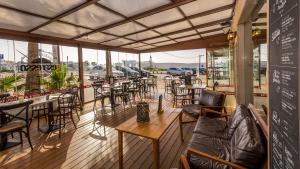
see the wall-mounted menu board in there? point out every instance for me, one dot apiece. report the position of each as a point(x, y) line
point(284, 83)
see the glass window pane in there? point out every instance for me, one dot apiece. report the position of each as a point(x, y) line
point(94, 67)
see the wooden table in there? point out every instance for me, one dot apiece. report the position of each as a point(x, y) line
point(158, 125)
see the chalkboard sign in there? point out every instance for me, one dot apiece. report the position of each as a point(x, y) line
point(284, 84)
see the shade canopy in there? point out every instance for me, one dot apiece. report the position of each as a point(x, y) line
point(130, 24)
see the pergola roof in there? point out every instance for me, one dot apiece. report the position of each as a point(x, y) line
point(134, 25)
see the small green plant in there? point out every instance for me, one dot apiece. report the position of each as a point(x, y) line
point(7, 83)
point(58, 77)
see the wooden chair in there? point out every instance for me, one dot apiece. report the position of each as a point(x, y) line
point(152, 83)
point(12, 119)
point(168, 85)
point(178, 93)
point(210, 104)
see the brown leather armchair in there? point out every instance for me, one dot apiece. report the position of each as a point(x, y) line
point(210, 104)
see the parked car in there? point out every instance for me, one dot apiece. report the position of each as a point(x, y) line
point(127, 71)
point(202, 71)
point(178, 71)
point(143, 71)
point(190, 70)
point(100, 71)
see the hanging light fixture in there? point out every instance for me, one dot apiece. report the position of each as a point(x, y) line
point(231, 35)
point(256, 32)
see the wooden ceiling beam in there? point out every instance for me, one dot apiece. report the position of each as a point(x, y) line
point(185, 30)
point(212, 11)
point(68, 12)
point(207, 42)
point(121, 15)
point(31, 37)
point(139, 16)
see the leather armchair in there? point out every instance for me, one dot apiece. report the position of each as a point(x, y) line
point(211, 104)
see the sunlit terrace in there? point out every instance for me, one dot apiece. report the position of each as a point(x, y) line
point(135, 84)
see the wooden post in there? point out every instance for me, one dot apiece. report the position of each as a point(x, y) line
point(80, 61)
point(108, 64)
point(243, 61)
point(140, 64)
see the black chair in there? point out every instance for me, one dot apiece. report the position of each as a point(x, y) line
point(124, 94)
point(37, 108)
point(13, 120)
point(152, 83)
point(77, 101)
point(135, 88)
point(99, 93)
point(65, 109)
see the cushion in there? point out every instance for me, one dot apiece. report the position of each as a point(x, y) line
point(241, 113)
point(13, 125)
point(192, 110)
point(212, 127)
point(213, 146)
point(247, 144)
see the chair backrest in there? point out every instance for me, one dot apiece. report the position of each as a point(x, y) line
point(13, 111)
point(241, 112)
point(211, 98)
point(125, 87)
point(249, 141)
point(98, 88)
point(65, 101)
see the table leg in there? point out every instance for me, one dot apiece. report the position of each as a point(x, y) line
point(180, 126)
point(51, 126)
point(193, 96)
point(112, 99)
point(120, 140)
point(156, 154)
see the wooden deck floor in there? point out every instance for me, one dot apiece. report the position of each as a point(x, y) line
point(85, 148)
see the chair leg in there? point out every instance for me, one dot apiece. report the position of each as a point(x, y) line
point(72, 119)
point(38, 120)
point(95, 102)
point(21, 138)
point(28, 137)
point(59, 125)
point(77, 113)
point(64, 120)
point(45, 115)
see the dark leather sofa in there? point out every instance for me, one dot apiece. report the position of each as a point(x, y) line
point(239, 143)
